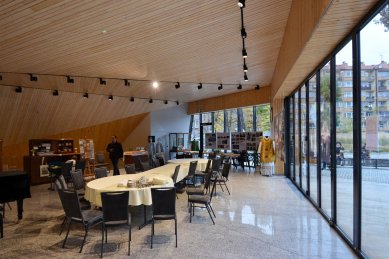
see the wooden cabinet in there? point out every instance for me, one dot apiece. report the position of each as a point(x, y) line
point(50, 146)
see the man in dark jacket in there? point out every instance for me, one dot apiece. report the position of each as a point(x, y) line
point(115, 150)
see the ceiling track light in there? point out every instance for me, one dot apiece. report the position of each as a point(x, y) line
point(126, 82)
point(220, 87)
point(239, 87)
point(241, 3)
point(200, 86)
point(151, 101)
point(245, 69)
point(257, 87)
point(102, 81)
point(166, 102)
point(244, 53)
point(132, 99)
point(110, 97)
point(245, 77)
point(85, 95)
point(177, 102)
point(243, 33)
point(18, 89)
point(55, 93)
point(1, 77)
point(177, 85)
point(69, 80)
point(33, 78)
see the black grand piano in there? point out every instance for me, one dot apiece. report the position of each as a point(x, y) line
point(14, 186)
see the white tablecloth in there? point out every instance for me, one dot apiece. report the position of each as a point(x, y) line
point(201, 162)
point(138, 196)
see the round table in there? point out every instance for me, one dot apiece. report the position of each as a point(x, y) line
point(201, 162)
point(138, 196)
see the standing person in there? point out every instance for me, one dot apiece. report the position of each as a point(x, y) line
point(115, 150)
point(151, 150)
point(159, 151)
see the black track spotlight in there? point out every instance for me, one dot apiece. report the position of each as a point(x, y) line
point(200, 86)
point(1, 77)
point(33, 78)
point(245, 68)
point(110, 97)
point(165, 101)
point(257, 87)
point(85, 95)
point(18, 89)
point(126, 82)
point(243, 33)
point(55, 93)
point(102, 81)
point(178, 103)
point(241, 3)
point(239, 87)
point(245, 77)
point(177, 85)
point(69, 80)
point(244, 53)
point(151, 101)
point(220, 87)
point(132, 99)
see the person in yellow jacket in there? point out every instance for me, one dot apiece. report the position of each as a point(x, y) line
point(266, 151)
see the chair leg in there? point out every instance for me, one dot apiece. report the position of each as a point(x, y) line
point(175, 225)
point(221, 186)
point(212, 210)
point(129, 240)
point(83, 242)
point(67, 233)
point(190, 212)
point(102, 240)
point(209, 212)
point(227, 189)
point(152, 234)
point(106, 235)
point(63, 224)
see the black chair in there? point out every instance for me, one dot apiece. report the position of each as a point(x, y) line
point(100, 160)
point(115, 213)
point(204, 200)
point(130, 169)
point(200, 190)
point(65, 171)
point(73, 212)
point(224, 177)
point(78, 181)
point(100, 172)
point(164, 207)
point(175, 175)
point(80, 165)
point(1, 225)
point(216, 165)
point(202, 174)
point(141, 166)
point(191, 173)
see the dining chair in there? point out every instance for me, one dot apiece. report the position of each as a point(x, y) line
point(80, 164)
point(202, 174)
point(65, 171)
point(191, 173)
point(224, 177)
point(175, 175)
point(100, 172)
point(163, 207)
point(130, 168)
point(115, 213)
point(100, 160)
point(202, 189)
point(204, 200)
point(156, 162)
point(73, 213)
point(78, 181)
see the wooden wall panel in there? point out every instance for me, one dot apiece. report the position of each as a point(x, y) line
point(241, 99)
point(101, 135)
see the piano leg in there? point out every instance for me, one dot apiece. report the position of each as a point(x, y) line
point(20, 208)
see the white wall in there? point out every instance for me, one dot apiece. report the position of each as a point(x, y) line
point(170, 120)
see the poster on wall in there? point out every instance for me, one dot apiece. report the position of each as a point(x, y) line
point(223, 140)
point(252, 140)
point(87, 150)
point(210, 140)
point(278, 133)
point(238, 140)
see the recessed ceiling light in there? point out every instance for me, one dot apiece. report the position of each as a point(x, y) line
point(104, 31)
point(18, 89)
point(155, 84)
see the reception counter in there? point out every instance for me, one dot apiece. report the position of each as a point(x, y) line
point(129, 156)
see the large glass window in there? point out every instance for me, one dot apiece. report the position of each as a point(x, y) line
point(312, 121)
point(297, 137)
point(231, 120)
point(291, 136)
point(344, 143)
point(375, 136)
point(246, 119)
point(304, 142)
point(219, 121)
point(325, 141)
point(263, 117)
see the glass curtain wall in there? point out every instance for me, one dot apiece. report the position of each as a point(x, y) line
point(263, 117)
point(291, 138)
point(312, 138)
point(374, 89)
point(304, 142)
point(297, 137)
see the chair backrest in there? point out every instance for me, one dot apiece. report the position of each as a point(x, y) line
point(161, 161)
point(80, 164)
point(175, 175)
point(207, 179)
point(138, 164)
point(71, 204)
point(226, 169)
point(216, 165)
point(208, 165)
point(156, 162)
point(78, 179)
point(100, 158)
point(192, 168)
point(101, 172)
point(164, 201)
point(213, 188)
point(145, 166)
point(130, 169)
point(115, 206)
point(211, 155)
point(62, 181)
point(65, 170)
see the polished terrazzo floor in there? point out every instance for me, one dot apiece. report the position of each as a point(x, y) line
point(264, 217)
